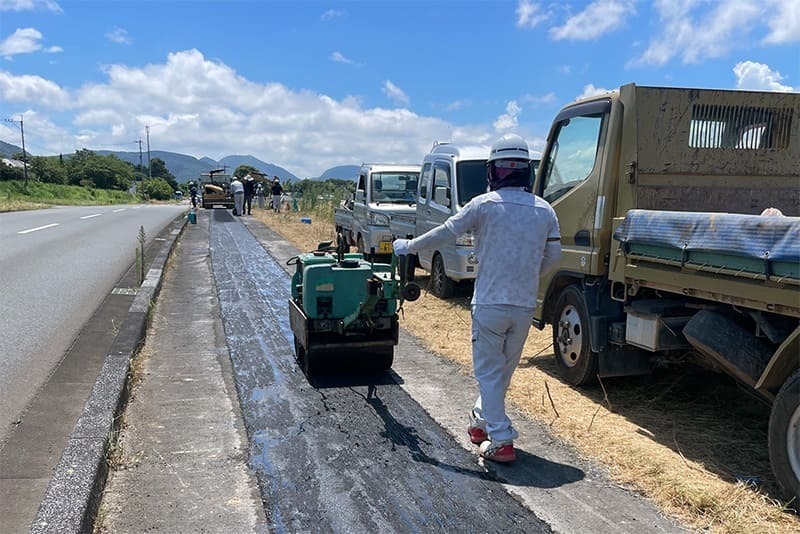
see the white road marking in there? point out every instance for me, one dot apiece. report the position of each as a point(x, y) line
point(90, 216)
point(117, 211)
point(37, 228)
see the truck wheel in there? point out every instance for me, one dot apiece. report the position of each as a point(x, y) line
point(784, 438)
point(441, 285)
point(575, 360)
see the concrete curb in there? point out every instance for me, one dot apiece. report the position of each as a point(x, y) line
point(73, 495)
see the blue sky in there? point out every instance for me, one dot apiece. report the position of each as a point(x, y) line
point(308, 85)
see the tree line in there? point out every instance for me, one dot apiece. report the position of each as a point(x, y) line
point(89, 169)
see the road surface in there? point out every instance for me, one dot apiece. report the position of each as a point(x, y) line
point(56, 266)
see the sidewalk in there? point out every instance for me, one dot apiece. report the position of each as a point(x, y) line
point(181, 459)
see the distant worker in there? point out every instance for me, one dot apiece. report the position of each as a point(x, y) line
point(238, 196)
point(249, 193)
point(260, 195)
point(277, 192)
point(517, 239)
point(193, 194)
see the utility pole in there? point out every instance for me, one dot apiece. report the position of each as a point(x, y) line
point(149, 175)
point(24, 155)
point(141, 172)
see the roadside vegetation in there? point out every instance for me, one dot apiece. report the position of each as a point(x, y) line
point(82, 178)
point(689, 440)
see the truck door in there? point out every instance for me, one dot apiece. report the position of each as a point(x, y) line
point(439, 206)
point(570, 179)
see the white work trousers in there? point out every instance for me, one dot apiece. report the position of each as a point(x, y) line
point(498, 336)
point(238, 202)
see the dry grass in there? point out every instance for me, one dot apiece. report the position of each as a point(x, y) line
point(681, 437)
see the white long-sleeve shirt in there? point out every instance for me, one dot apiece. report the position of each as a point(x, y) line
point(516, 238)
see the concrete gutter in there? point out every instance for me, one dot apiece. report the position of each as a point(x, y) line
point(74, 493)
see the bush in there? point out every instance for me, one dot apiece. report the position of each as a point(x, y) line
point(157, 189)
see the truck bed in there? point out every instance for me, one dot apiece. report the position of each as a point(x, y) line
point(739, 259)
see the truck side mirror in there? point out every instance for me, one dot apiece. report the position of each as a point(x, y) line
point(359, 196)
point(441, 196)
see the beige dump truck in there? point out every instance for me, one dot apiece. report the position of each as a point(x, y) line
point(659, 194)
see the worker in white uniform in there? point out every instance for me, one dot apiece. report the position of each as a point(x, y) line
point(517, 239)
point(237, 188)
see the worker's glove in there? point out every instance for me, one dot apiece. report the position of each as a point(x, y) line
point(400, 247)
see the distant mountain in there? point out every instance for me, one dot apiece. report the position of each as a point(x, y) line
point(7, 149)
point(342, 172)
point(187, 168)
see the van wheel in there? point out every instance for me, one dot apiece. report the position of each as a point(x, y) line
point(575, 360)
point(441, 285)
point(784, 438)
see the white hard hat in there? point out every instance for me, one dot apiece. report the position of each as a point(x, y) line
point(510, 146)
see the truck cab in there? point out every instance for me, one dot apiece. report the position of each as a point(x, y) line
point(382, 190)
point(215, 189)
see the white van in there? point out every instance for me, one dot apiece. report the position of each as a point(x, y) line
point(450, 177)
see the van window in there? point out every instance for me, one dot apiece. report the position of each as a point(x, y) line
point(425, 182)
point(362, 182)
point(441, 182)
point(395, 187)
point(471, 180)
point(572, 155)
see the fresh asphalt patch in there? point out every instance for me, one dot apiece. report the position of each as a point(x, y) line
point(350, 451)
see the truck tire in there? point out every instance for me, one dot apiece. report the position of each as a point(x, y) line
point(441, 285)
point(575, 360)
point(784, 438)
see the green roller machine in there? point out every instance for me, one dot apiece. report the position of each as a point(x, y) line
point(343, 305)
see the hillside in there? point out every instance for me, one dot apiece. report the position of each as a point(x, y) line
point(186, 167)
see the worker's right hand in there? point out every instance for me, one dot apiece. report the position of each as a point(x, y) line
point(400, 247)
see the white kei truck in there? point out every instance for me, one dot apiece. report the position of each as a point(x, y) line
point(383, 190)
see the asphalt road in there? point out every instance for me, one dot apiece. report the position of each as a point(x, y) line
point(56, 267)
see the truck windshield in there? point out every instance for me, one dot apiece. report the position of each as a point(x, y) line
point(395, 187)
point(471, 180)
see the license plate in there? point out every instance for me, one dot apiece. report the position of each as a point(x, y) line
point(385, 247)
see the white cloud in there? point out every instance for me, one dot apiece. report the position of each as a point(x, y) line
point(201, 107)
point(565, 69)
point(758, 77)
point(599, 17)
point(591, 90)
point(457, 104)
point(22, 41)
point(30, 5)
point(508, 120)
point(784, 23)
point(529, 14)
point(694, 30)
point(540, 100)
point(53, 49)
point(332, 14)
point(28, 88)
point(119, 36)
point(338, 57)
point(395, 93)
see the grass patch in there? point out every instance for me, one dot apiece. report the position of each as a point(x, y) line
point(14, 197)
point(683, 437)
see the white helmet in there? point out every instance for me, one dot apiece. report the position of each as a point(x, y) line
point(510, 146)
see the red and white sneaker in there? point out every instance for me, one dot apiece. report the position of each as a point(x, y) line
point(498, 452)
point(477, 435)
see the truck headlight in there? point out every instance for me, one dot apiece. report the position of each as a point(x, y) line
point(465, 240)
point(377, 219)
